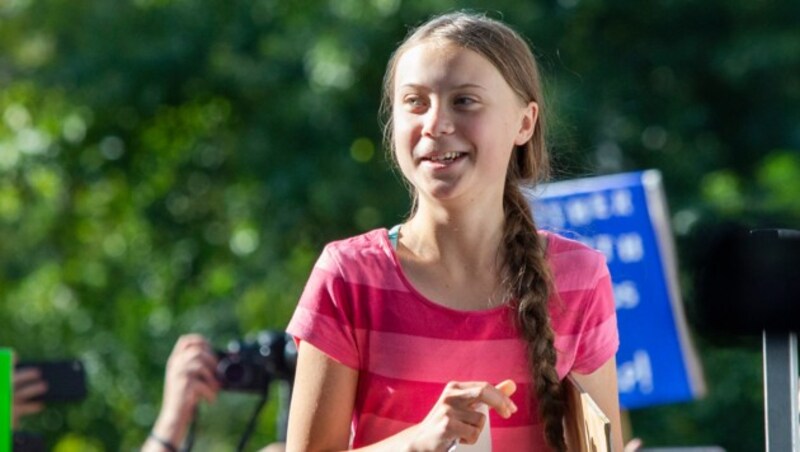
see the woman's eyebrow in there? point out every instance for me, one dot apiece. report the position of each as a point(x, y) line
point(418, 86)
point(469, 85)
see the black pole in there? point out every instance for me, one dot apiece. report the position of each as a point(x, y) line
point(284, 399)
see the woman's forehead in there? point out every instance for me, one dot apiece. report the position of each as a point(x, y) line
point(435, 63)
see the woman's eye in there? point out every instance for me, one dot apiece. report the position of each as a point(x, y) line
point(414, 102)
point(464, 101)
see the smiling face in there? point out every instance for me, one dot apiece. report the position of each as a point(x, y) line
point(456, 122)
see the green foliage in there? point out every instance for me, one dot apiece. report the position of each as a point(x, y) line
point(169, 166)
point(734, 405)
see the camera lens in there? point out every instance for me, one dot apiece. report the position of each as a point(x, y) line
point(234, 373)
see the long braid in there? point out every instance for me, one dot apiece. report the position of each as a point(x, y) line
point(527, 279)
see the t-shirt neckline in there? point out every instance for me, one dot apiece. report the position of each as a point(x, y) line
point(387, 243)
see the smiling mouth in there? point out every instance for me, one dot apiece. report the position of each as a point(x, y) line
point(445, 157)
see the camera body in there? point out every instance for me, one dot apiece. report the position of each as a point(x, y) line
point(250, 366)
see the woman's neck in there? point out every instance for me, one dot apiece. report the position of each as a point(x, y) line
point(455, 236)
point(454, 257)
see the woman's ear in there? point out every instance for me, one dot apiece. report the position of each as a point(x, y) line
point(528, 124)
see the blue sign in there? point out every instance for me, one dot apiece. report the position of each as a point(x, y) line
point(625, 217)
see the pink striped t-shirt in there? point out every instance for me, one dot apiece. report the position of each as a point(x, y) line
point(360, 309)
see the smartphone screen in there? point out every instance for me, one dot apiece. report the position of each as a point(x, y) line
point(66, 380)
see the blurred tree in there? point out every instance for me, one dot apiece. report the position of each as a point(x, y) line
point(174, 165)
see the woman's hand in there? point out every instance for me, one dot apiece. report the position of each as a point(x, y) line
point(190, 377)
point(28, 385)
point(455, 417)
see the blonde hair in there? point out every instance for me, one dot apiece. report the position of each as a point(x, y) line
point(526, 274)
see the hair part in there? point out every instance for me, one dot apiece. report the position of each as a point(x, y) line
point(526, 274)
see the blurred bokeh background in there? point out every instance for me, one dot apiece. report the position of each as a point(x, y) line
point(169, 166)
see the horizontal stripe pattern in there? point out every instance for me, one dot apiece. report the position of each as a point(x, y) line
point(523, 438)
point(409, 401)
point(427, 359)
point(366, 307)
point(359, 308)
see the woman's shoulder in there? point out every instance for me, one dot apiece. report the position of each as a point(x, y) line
point(572, 258)
point(364, 259)
point(370, 240)
point(360, 249)
point(560, 244)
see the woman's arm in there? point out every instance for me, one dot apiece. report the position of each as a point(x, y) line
point(322, 406)
point(322, 410)
point(602, 387)
point(189, 379)
point(322, 402)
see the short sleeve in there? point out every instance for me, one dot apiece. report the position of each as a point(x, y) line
point(323, 316)
point(599, 336)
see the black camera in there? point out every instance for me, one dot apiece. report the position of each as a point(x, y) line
point(250, 366)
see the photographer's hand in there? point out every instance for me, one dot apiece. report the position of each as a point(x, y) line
point(28, 384)
point(190, 378)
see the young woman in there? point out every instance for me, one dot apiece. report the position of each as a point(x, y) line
point(405, 333)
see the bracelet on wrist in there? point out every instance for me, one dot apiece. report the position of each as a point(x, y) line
point(164, 443)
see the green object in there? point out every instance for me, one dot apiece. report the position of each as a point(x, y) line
point(6, 371)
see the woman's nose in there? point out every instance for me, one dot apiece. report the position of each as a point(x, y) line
point(437, 121)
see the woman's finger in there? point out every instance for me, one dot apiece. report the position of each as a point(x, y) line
point(25, 376)
point(507, 387)
point(209, 360)
point(486, 393)
point(633, 445)
point(204, 390)
point(468, 432)
point(472, 417)
point(30, 391)
point(456, 430)
point(190, 340)
point(25, 409)
point(201, 371)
